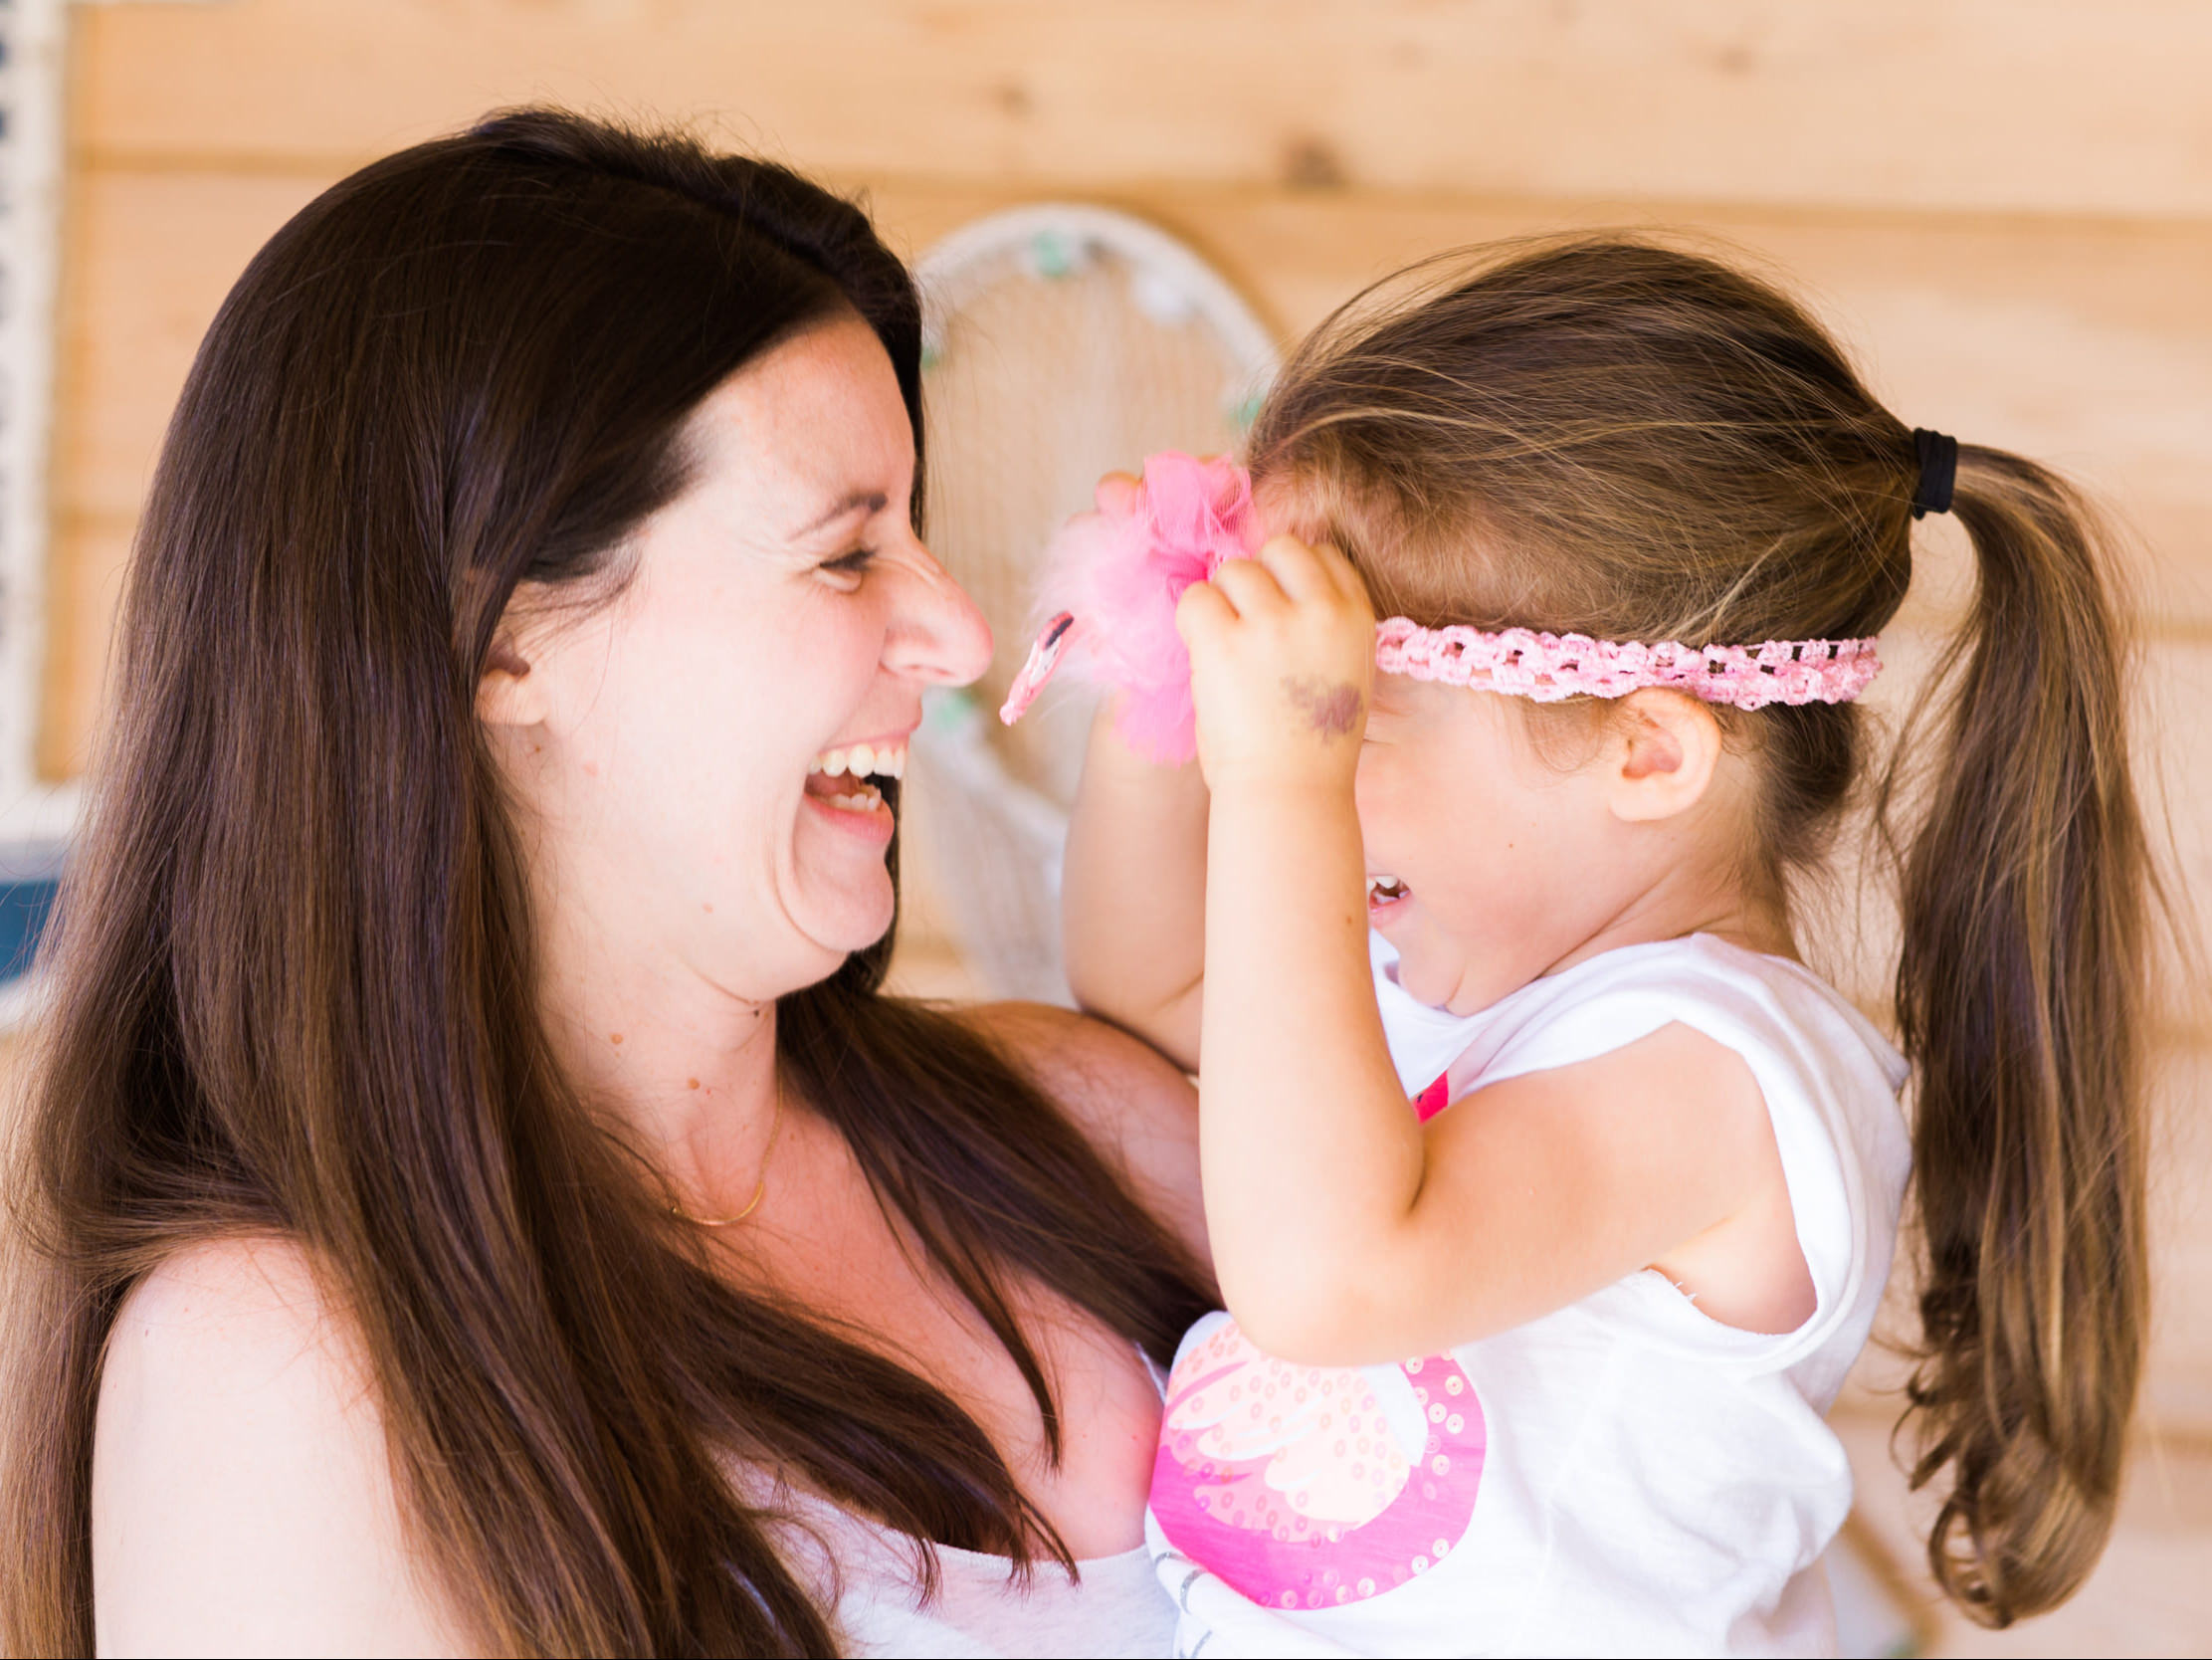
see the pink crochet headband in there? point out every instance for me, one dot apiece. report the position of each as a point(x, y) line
point(1112, 578)
point(1547, 668)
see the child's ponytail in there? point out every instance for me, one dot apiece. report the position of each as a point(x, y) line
point(2020, 996)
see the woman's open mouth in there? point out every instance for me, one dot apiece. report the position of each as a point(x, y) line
point(849, 780)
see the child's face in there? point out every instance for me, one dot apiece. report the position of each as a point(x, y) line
point(1488, 864)
point(1508, 862)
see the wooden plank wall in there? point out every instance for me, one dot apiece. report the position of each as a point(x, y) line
point(2005, 206)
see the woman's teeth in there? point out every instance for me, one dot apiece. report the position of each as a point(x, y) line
point(1381, 890)
point(888, 761)
point(860, 762)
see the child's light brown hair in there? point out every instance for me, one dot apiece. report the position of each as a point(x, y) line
point(1610, 436)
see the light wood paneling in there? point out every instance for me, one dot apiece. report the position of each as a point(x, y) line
point(150, 257)
point(2041, 105)
point(91, 553)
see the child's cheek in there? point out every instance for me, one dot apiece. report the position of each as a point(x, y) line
point(1381, 788)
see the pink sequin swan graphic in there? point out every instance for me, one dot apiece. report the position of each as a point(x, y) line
point(1308, 1487)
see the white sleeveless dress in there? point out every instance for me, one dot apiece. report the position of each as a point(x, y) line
point(1623, 1476)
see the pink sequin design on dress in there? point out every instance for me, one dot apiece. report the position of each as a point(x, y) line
point(1307, 1486)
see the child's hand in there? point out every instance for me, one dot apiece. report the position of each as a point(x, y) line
point(1283, 658)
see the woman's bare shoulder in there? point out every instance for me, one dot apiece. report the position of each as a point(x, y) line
point(241, 1293)
point(242, 1492)
point(1137, 1107)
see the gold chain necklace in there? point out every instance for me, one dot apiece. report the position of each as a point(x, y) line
point(759, 1192)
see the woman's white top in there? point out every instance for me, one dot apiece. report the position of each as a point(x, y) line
point(1623, 1476)
point(868, 1576)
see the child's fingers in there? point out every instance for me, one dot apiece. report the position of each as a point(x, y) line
point(1313, 570)
point(1298, 568)
point(1118, 492)
point(1250, 587)
point(1342, 575)
point(1202, 613)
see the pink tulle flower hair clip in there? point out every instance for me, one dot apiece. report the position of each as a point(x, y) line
point(1111, 580)
point(1112, 577)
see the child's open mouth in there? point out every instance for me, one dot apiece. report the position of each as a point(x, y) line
point(1383, 892)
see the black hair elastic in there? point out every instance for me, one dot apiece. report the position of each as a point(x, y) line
point(1938, 455)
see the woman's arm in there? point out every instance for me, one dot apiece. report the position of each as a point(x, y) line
point(1134, 911)
point(1136, 1108)
point(242, 1492)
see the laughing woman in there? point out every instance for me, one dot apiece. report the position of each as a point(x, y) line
point(479, 1196)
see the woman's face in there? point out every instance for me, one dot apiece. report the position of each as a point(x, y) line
point(687, 753)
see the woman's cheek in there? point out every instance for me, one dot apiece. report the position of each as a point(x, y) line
point(840, 638)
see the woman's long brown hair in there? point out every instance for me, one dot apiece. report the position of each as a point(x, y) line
point(292, 976)
point(1614, 437)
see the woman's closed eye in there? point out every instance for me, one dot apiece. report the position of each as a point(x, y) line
point(846, 570)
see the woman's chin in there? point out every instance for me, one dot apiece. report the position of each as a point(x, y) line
point(841, 912)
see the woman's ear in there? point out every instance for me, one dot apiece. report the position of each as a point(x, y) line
point(507, 694)
point(1664, 749)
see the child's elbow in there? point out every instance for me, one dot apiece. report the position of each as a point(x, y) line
point(1309, 1324)
point(1096, 992)
point(1167, 1025)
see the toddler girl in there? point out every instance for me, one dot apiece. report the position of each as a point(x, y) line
point(1552, 1195)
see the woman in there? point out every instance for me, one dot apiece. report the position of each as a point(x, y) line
point(484, 1199)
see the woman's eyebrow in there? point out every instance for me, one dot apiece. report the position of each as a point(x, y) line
point(869, 501)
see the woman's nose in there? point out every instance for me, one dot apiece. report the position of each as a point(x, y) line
point(937, 633)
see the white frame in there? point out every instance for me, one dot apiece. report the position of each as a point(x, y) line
point(1191, 278)
point(31, 91)
point(36, 817)
point(1169, 281)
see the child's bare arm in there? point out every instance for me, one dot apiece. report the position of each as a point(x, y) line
point(1519, 1199)
point(1134, 910)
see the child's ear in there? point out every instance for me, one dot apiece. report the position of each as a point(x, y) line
point(508, 694)
point(1664, 749)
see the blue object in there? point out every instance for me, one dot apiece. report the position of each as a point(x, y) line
point(30, 877)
